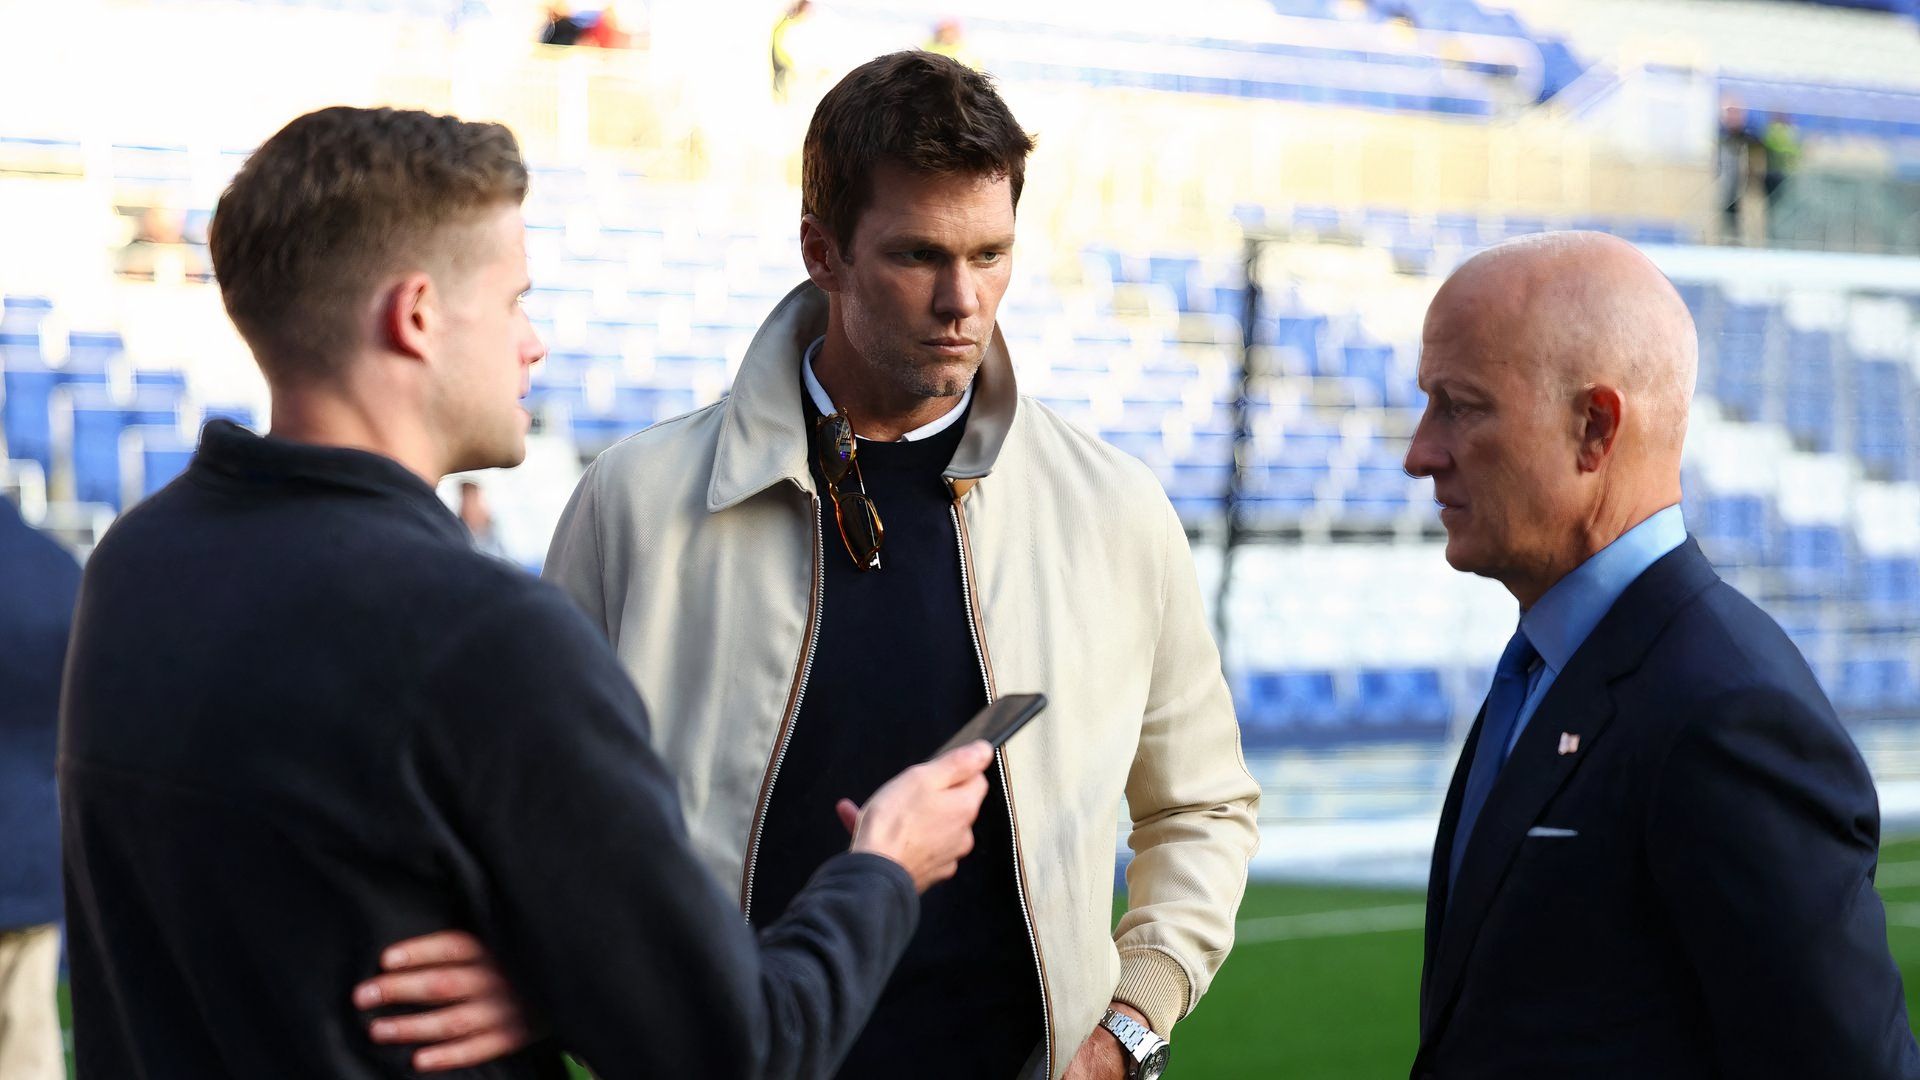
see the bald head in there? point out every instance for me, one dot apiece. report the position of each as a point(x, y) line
point(1559, 370)
point(1581, 309)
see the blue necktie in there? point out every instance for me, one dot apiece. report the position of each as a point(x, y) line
point(1504, 702)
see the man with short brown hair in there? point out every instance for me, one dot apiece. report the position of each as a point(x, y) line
point(873, 523)
point(303, 718)
point(872, 536)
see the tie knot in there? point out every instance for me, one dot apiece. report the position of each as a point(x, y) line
point(1519, 656)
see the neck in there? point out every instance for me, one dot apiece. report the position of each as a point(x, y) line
point(878, 408)
point(337, 415)
point(1608, 521)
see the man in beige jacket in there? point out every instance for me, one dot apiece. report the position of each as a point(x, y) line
point(819, 578)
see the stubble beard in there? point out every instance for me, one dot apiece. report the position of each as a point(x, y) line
point(912, 378)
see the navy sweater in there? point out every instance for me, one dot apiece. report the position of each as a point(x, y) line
point(38, 580)
point(894, 675)
point(305, 719)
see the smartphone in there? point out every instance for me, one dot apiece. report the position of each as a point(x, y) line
point(997, 722)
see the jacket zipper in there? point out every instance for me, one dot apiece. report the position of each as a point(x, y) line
point(1013, 823)
point(808, 647)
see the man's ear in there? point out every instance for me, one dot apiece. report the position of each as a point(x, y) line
point(1601, 410)
point(410, 315)
point(821, 252)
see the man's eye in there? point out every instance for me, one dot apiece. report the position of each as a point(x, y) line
point(990, 257)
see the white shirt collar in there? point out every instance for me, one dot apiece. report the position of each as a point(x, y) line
point(825, 404)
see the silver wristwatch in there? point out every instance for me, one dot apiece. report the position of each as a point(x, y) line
point(1146, 1052)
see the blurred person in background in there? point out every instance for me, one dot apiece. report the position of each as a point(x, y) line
point(782, 46)
point(1739, 162)
point(950, 40)
point(607, 32)
point(159, 248)
point(1782, 146)
point(478, 518)
point(1656, 857)
point(304, 719)
point(38, 581)
point(875, 524)
point(561, 27)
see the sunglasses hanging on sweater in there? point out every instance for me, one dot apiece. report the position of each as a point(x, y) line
point(853, 511)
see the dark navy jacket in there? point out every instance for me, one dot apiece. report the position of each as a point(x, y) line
point(1673, 874)
point(38, 580)
point(304, 719)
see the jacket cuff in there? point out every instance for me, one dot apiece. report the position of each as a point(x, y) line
point(867, 864)
point(1152, 981)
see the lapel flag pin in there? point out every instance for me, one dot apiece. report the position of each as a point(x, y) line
point(1569, 743)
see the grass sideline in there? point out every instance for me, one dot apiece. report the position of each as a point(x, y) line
point(1324, 982)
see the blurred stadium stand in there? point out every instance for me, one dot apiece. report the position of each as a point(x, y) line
point(1348, 155)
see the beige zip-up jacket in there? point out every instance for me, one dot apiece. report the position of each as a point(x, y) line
point(695, 545)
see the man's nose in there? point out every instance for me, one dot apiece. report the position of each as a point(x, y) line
point(1424, 454)
point(957, 296)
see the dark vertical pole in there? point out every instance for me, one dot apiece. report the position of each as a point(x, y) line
point(1242, 436)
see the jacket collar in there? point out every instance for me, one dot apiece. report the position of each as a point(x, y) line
point(1580, 703)
point(232, 455)
point(763, 436)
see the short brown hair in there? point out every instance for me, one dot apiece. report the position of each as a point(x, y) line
point(920, 110)
point(335, 200)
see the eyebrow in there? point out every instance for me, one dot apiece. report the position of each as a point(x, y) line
point(1453, 385)
point(916, 241)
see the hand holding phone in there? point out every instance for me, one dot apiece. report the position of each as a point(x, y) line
point(997, 722)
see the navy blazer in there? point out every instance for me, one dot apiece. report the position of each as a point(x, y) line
point(1689, 893)
point(38, 581)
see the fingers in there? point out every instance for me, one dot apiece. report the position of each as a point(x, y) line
point(475, 1050)
point(435, 986)
point(849, 815)
point(971, 794)
point(961, 762)
point(443, 947)
point(441, 1025)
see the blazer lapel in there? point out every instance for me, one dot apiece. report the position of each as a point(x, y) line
point(1437, 870)
point(1580, 703)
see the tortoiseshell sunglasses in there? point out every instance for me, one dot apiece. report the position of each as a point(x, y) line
point(859, 520)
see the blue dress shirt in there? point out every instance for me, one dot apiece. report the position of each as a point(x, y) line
point(1559, 622)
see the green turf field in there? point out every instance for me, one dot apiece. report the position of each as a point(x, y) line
point(1324, 982)
point(1336, 997)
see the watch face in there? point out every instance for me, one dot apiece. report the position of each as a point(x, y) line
point(1155, 1064)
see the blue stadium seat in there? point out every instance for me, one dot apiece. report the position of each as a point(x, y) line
point(23, 314)
point(1457, 230)
point(1371, 364)
point(1198, 483)
point(1734, 529)
point(1145, 445)
point(99, 418)
point(163, 456)
point(1380, 491)
point(94, 350)
point(1176, 274)
point(1876, 683)
point(1811, 403)
point(1279, 494)
point(1882, 437)
point(26, 410)
point(1739, 381)
point(1402, 698)
point(1813, 559)
point(1276, 704)
point(1890, 581)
